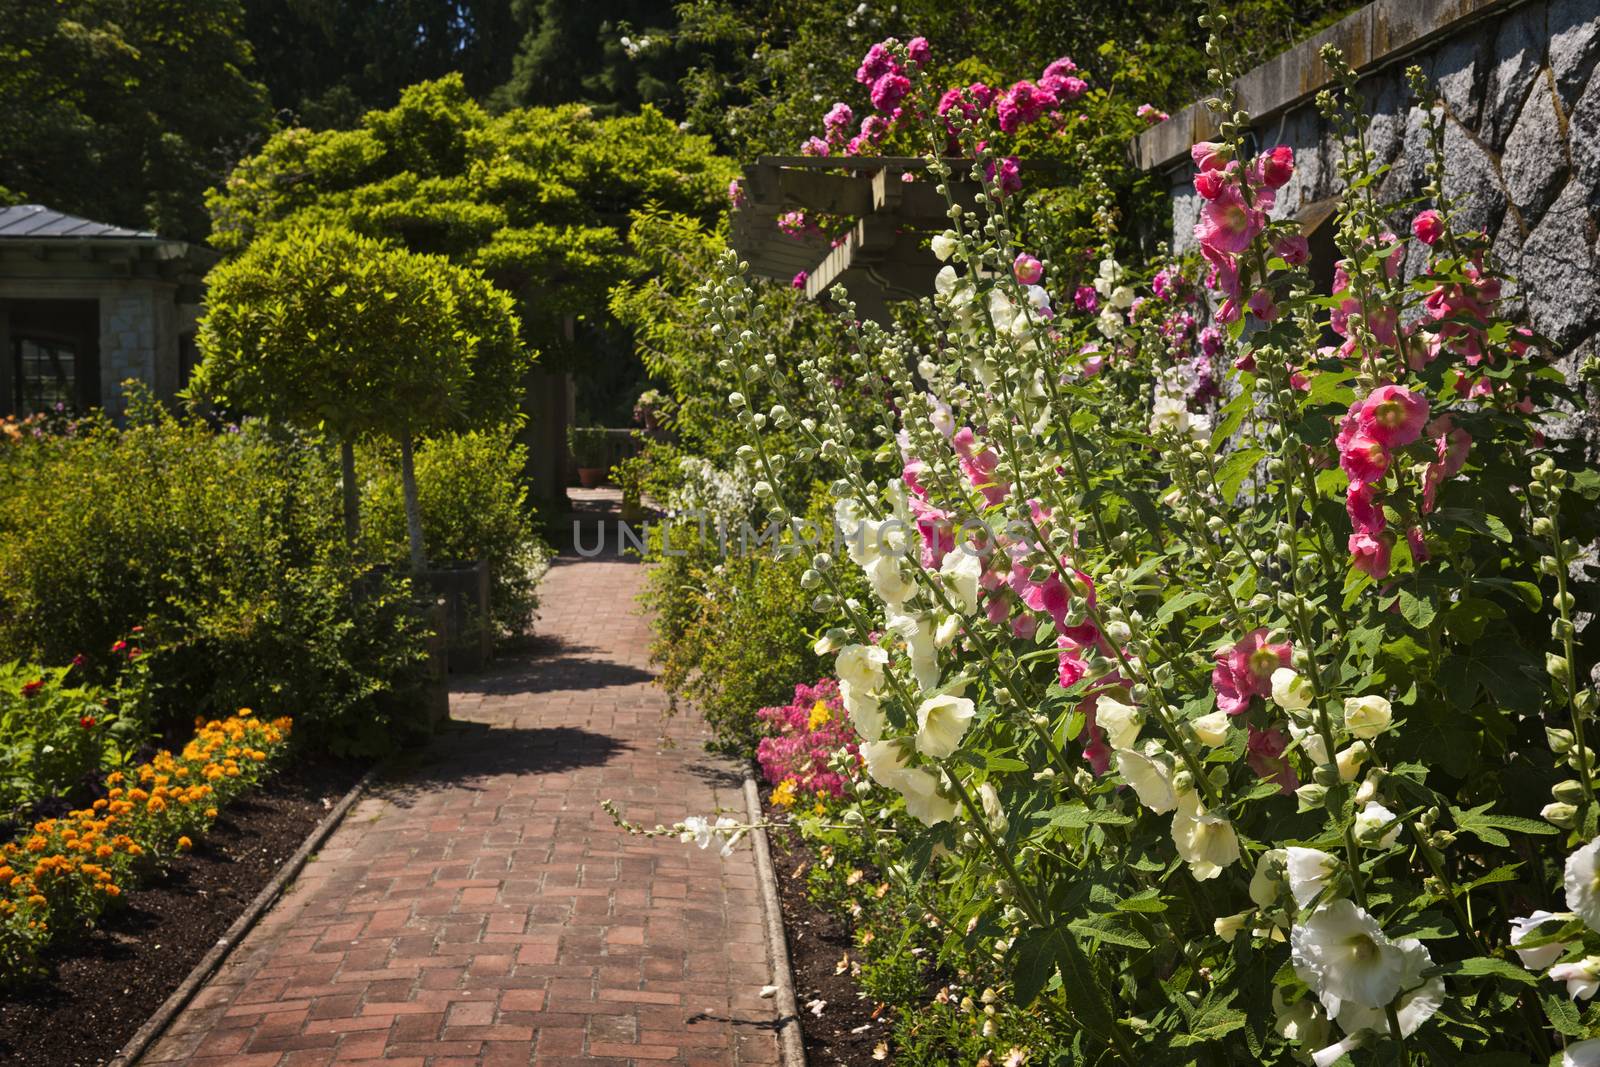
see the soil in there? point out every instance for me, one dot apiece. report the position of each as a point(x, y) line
point(849, 1027)
point(103, 988)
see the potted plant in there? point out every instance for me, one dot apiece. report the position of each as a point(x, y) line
point(588, 447)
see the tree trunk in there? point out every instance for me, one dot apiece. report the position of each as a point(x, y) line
point(352, 503)
point(408, 479)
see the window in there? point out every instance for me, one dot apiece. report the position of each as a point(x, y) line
point(45, 374)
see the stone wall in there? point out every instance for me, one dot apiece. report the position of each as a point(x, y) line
point(1521, 99)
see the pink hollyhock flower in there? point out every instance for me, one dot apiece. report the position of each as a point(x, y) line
point(938, 535)
point(1262, 306)
point(1086, 299)
point(1366, 514)
point(1418, 546)
point(1093, 365)
point(1428, 226)
point(919, 50)
point(1027, 269)
point(911, 476)
point(1151, 115)
point(1210, 155)
point(1211, 342)
point(1451, 446)
point(1210, 183)
point(877, 62)
point(964, 441)
point(1245, 361)
point(1070, 669)
point(889, 90)
point(799, 280)
point(1370, 554)
point(1229, 312)
point(1276, 167)
point(814, 146)
point(1050, 596)
point(1008, 176)
point(1264, 753)
point(1227, 224)
point(1024, 626)
point(1294, 250)
point(1364, 459)
point(1095, 749)
point(1393, 415)
point(1246, 669)
point(736, 193)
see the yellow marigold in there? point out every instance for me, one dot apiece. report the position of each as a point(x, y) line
point(257, 755)
point(245, 713)
point(113, 793)
point(156, 804)
point(783, 794)
point(6, 873)
point(37, 843)
point(211, 813)
point(44, 827)
point(100, 804)
point(135, 850)
point(232, 772)
point(112, 890)
point(113, 778)
point(138, 796)
point(184, 844)
point(104, 852)
point(37, 900)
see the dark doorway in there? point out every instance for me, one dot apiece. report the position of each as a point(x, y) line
point(52, 354)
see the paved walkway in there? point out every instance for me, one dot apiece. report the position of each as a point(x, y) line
point(483, 910)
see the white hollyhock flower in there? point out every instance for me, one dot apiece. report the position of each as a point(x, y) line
point(1269, 881)
point(1536, 959)
point(860, 535)
point(1289, 690)
point(962, 569)
point(1370, 823)
point(1367, 717)
point(884, 760)
point(1419, 1003)
point(1309, 870)
point(945, 635)
point(1302, 1022)
point(944, 283)
point(1583, 883)
point(695, 828)
point(943, 245)
point(730, 832)
point(865, 713)
point(1228, 926)
point(920, 790)
point(921, 647)
point(993, 813)
point(1350, 760)
point(1212, 730)
point(1151, 778)
point(1204, 841)
point(861, 666)
point(1311, 743)
point(1582, 977)
point(1582, 1054)
point(1169, 413)
point(1120, 721)
point(1344, 956)
point(941, 723)
point(889, 582)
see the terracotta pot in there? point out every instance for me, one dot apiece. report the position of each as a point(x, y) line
point(590, 477)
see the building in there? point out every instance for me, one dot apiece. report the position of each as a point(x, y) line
point(84, 306)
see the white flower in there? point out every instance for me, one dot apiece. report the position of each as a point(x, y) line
point(944, 283)
point(1344, 956)
point(1302, 1021)
point(920, 789)
point(921, 647)
point(1582, 1054)
point(1122, 297)
point(1150, 777)
point(1367, 717)
point(1536, 959)
point(884, 760)
point(1212, 730)
point(1350, 759)
point(1583, 883)
point(941, 723)
point(943, 245)
point(962, 569)
point(945, 635)
point(1289, 690)
point(1120, 721)
point(1228, 926)
point(865, 713)
point(1582, 977)
point(861, 666)
point(696, 828)
point(1419, 1003)
point(1204, 841)
point(1169, 413)
point(1311, 743)
point(730, 832)
point(993, 813)
point(1309, 871)
point(1370, 823)
point(887, 581)
point(1266, 885)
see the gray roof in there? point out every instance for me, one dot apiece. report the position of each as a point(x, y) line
point(36, 222)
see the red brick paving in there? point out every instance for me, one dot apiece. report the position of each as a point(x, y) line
point(481, 909)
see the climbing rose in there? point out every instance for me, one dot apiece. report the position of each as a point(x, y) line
point(889, 90)
point(1027, 269)
point(918, 50)
point(1151, 115)
point(814, 146)
point(1008, 176)
point(799, 280)
point(1393, 416)
point(1246, 669)
point(1428, 226)
point(877, 62)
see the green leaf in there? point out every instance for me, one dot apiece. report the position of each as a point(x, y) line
point(1418, 612)
point(1563, 1014)
point(1078, 817)
point(1148, 901)
point(1488, 965)
point(1211, 1022)
point(1235, 469)
point(1111, 930)
point(1040, 954)
point(1003, 763)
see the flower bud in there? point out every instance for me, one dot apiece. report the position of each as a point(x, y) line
point(1558, 668)
point(1312, 795)
point(1559, 814)
point(1568, 792)
point(1560, 740)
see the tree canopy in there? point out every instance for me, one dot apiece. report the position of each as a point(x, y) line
point(124, 111)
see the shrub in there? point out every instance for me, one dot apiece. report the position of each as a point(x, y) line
point(474, 506)
point(53, 735)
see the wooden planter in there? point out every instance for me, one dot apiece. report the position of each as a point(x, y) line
point(462, 589)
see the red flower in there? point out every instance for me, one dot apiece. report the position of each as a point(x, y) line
point(30, 688)
point(79, 660)
point(119, 646)
point(87, 722)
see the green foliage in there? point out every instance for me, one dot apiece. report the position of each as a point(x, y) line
point(53, 734)
point(124, 111)
point(226, 549)
point(587, 444)
point(474, 506)
point(330, 329)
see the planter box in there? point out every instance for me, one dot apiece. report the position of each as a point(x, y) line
point(463, 591)
point(436, 691)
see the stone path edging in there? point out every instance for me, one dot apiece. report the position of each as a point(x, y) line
point(791, 1043)
point(154, 1026)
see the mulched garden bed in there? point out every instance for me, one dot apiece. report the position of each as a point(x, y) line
point(103, 988)
point(846, 1032)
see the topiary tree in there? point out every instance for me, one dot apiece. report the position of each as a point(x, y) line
point(328, 329)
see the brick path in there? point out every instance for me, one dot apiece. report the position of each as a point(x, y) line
point(481, 909)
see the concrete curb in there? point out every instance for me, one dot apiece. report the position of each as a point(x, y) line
point(791, 1045)
point(154, 1026)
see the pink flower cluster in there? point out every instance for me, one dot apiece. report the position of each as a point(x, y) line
point(1389, 418)
point(1026, 102)
point(1237, 200)
point(807, 732)
point(1243, 672)
point(1151, 115)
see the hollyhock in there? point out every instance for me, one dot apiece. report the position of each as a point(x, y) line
point(1370, 554)
point(1246, 669)
point(1450, 455)
point(1428, 226)
point(1366, 514)
point(942, 722)
point(1344, 956)
point(1294, 250)
point(1418, 544)
point(1150, 775)
point(1393, 415)
point(1421, 1000)
point(1536, 959)
point(1210, 155)
point(861, 666)
point(1376, 826)
point(1227, 223)
point(918, 51)
point(1264, 753)
point(1204, 841)
point(933, 526)
point(1210, 183)
point(1363, 459)
point(1026, 269)
point(799, 280)
point(1211, 342)
point(1262, 306)
point(1050, 596)
point(1086, 299)
point(1276, 166)
point(1309, 872)
point(1582, 1054)
point(1583, 884)
point(889, 90)
point(1582, 977)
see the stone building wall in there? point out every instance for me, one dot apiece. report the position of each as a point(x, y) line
point(1521, 100)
